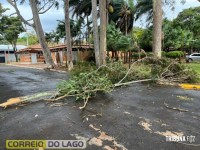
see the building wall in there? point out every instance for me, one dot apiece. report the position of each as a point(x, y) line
point(84, 55)
point(40, 58)
point(77, 56)
point(53, 55)
point(25, 58)
point(33, 58)
point(10, 58)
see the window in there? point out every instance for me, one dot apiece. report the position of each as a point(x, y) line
point(196, 55)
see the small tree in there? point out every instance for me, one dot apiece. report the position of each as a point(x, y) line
point(10, 28)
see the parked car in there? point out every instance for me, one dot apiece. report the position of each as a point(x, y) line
point(193, 57)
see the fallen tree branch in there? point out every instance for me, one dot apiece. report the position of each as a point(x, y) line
point(85, 103)
point(58, 104)
point(131, 82)
point(139, 60)
point(196, 145)
point(174, 108)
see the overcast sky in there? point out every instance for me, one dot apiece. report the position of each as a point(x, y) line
point(49, 19)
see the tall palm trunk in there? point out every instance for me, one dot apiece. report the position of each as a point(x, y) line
point(40, 34)
point(68, 36)
point(103, 25)
point(157, 28)
point(88, 30)
point(95, 32)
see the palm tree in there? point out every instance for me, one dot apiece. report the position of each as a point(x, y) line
point(75, 27)
point(82, 9)
point(122, 14)
point(144, 7)
point(157, 28)
point(119, 11)
point(95, 32)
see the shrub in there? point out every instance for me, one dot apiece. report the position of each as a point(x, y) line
point(175, 54)
point(150, 54)
point(163, 68)
point(164, 54)
point(138, 55)
point(82, 67)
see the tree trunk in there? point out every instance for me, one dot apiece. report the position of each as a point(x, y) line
point(15, 49)
point(40, 34)
point(103, 25)
point(88, 31)
point(95, 32)
point(68, 36)
point(157, 28)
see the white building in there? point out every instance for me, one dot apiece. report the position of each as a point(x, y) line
point(7, 54)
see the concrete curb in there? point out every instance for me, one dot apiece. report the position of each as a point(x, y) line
point(190, 86)
point(53, 70)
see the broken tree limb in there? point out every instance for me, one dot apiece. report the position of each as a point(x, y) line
point(131, 82)
point(174, 108)
point(29, 98)
point(196, 145)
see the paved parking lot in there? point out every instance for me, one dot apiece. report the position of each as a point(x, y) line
point(133, 118)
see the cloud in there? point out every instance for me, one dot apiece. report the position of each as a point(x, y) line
point(49, 22)
point(48, 19)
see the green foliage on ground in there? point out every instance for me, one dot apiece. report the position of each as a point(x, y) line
point(86, 80)
point(174, 72)
point(195, 67)
point(85, 86)
point(149, 68)
point(115, 71)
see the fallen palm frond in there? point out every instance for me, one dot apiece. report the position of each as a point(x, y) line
point(29, 98)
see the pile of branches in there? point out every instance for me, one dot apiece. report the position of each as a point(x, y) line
point(180, 73)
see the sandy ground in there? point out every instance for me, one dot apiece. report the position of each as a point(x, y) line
point(133, 118)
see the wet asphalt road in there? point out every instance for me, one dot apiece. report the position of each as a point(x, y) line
point(122, 111)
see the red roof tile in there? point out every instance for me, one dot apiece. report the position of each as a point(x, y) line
point(37, 48)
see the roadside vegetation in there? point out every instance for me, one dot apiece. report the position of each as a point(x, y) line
point(86, 80)
point(195, 66)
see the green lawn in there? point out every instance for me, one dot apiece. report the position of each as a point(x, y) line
point(195, 66)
